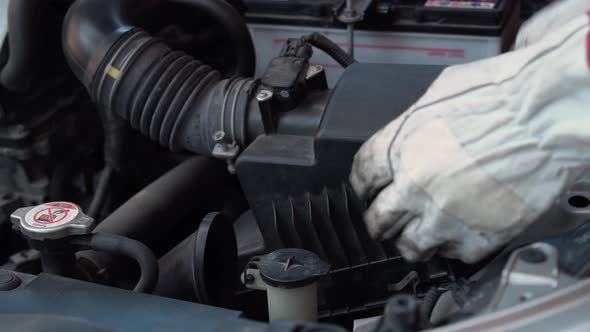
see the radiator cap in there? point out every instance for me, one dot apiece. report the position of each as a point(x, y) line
point(51, 221)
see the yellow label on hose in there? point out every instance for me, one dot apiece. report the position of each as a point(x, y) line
point(113, 72)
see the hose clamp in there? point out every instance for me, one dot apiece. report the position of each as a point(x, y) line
point(228, 143)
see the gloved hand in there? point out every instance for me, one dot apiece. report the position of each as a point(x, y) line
point(484, 152)
point(549, 19)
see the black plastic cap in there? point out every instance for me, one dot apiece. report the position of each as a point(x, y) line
point(8, 281)
point(290, 268)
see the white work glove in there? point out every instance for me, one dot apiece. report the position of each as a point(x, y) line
point(551, 18)
point(484, 153)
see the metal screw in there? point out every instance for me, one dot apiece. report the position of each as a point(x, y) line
point(8, 281)
point(349, 11)
point(249, 279)
point(218, 136)
point(264, 95)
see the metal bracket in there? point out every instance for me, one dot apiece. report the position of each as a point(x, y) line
point(252, 280)
point(530, 272)
point(411, 278)
point(353, 12)
point(228, 152)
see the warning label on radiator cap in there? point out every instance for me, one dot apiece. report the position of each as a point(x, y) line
point(52, 215)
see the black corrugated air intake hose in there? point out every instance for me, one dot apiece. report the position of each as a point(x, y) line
point(166, 94)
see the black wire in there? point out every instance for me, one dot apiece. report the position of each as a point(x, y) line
point(331, 48)
point(101, 192)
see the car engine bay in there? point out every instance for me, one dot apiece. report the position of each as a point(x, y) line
point(183, 165)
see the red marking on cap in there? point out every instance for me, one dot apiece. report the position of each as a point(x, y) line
point(50, 215)
point(62, 205)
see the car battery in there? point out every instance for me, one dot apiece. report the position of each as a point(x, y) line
point(392, 31)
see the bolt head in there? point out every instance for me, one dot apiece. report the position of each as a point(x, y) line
point(350, 13)
point(264, 95)
point(218, 136)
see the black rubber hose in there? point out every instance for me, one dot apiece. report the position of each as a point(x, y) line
point(101, 192)
point(332, 49)
point(26, 40)
point(92, 26)
point(119, 245)
point(166, 94)
point(157, 211)
point(32, 51)
point(203, 267)
point(57, 257)
point(235, 29)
